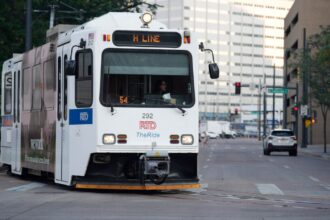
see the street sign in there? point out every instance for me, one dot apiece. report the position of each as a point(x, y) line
point(303, 110)
point(278, 90)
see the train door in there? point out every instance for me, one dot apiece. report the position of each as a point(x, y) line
point(16, 128)
point(7, 118)
point(62, 148)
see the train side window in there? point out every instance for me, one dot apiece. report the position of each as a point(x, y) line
point(49, 84)
point(84, 80)
point(26, 91)
point(36, 88)
point(18, 95)
point(14, 102)
point(65, 95)
point(8, 93)
point(59, 97)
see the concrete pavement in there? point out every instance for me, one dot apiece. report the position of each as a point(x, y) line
point(238, 182)
point(316, 150)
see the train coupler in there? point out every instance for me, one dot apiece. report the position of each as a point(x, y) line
point(154, 166)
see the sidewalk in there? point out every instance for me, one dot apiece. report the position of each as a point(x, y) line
point(316, 150)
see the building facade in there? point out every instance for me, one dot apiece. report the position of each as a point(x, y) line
point(304, 16)
point(247, 40)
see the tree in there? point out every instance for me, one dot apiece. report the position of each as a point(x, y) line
point(315, 62)
point(12, 18)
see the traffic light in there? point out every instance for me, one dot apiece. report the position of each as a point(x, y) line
point(294, 110)
point(237, 88)
point(313, 121)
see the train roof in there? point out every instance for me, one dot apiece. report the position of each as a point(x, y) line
point(113, 20)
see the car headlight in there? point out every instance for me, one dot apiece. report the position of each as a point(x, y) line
point(187, 139)
point(109, 139)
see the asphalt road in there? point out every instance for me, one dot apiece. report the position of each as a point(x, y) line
point(238, 182)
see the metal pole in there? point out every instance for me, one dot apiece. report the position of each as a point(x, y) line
point(296, 116)
point(259, 110)
point(28, 25)
point(304, 97)
point(52, 16)
point(265, 108)
point(273, 121)
point(285, 119)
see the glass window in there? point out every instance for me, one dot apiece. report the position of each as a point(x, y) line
point(26, 89)
point(84, 80)
point(282, 133)
point(65, 94)
point(49, 84)
point(146, 78)
point(59, 95)
point(8, 93)
point(18, 95)
point(36, 88)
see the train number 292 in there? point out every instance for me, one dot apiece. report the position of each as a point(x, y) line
point(147, 116)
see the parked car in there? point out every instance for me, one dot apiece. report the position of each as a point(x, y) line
point(281, 140)
point(228, 134)
point(211, 135)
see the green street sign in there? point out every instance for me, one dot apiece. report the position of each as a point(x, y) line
point(278, 90)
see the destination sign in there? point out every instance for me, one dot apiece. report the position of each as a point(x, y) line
point(147, 39)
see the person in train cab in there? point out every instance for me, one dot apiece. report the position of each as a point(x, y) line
point(163, 87)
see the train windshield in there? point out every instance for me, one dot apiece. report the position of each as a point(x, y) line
point(146, 78)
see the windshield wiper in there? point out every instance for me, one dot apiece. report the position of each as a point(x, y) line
point(169, 103)
point(112, 109)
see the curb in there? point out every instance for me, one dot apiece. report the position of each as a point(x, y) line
point(326, 157)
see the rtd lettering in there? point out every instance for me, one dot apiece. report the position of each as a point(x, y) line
point(147, 125)
point(146, 38)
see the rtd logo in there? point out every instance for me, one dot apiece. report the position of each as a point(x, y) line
point(83, 116)
point(147, 125)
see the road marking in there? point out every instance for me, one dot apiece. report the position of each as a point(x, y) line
point(227, 148)
point(206, 166)
point(286, 167)
point(25, 187)
point(208, 159)
point(314, 179)
point(270, 189)
point(260, 156)
point(243, 148)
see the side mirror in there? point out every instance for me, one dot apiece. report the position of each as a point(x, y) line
point(70, 67)
point(214, 70)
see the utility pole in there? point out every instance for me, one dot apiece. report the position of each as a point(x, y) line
point(259, 110)
point(285, 116)
point(304, 136)
point(52, 15)
point(265, 107)
point(28, 25)
point(273, 121)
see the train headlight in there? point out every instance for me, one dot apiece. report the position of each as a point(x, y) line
point(187, 139)
point(109, 139)
point(146, 18)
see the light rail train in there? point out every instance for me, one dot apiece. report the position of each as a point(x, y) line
point(89, 108)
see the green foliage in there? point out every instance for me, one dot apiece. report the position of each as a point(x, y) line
point(319, 61)
point(12, 18)
point(314, 64)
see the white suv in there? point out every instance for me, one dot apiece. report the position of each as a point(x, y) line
point(281, 140)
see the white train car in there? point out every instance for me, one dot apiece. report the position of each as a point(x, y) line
point(111, 104)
